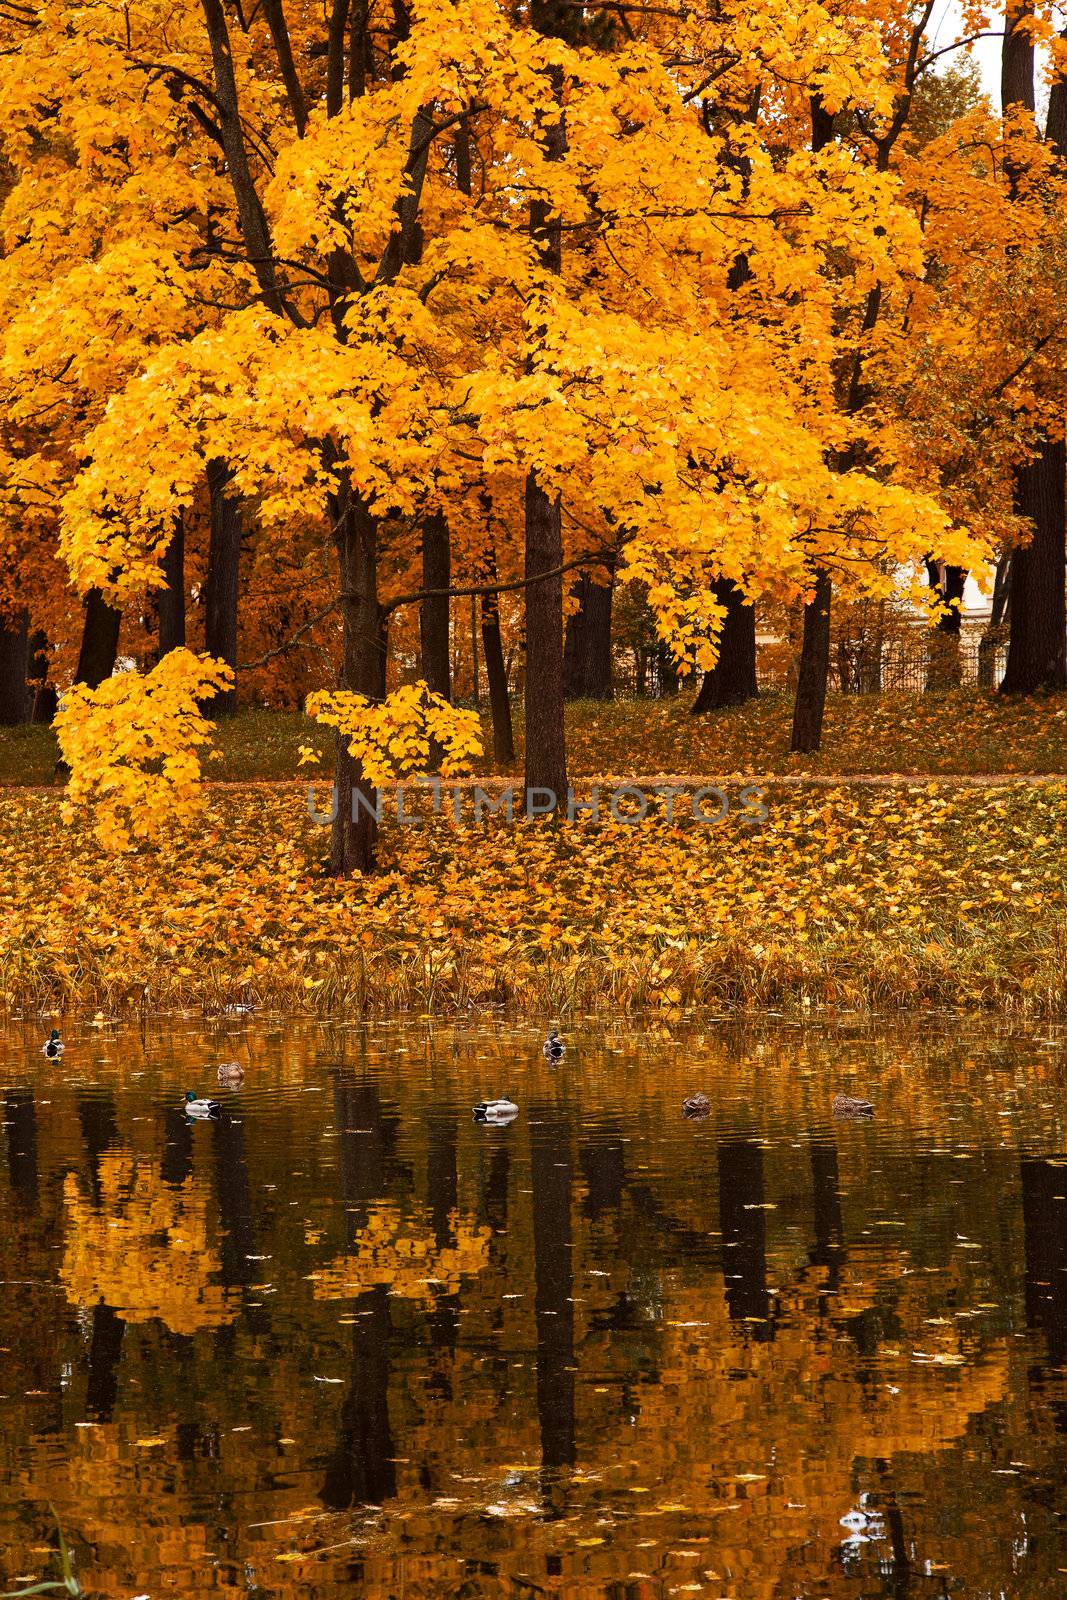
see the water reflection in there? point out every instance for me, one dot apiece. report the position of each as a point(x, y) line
point(742, 1197)
point(345, 1340)
point(361, 1470)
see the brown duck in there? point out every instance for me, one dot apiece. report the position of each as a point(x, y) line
point(849, 1105)
point(696, 1105)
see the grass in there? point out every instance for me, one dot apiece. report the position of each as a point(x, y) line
point(848, 896)
point(965, 732)
point(845, 896)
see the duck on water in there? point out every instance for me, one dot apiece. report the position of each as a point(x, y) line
point(501, 1110)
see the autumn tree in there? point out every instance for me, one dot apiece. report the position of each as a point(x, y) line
point(337, 338)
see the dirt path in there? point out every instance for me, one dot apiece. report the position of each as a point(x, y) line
point(650, 781)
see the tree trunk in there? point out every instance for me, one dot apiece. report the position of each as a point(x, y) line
point(100, 641)
point(45, 700)
point(15, 697)
point(382, 686)
point(355, 827)
point(222, 586)
point(587, 647)
point(732, 680)
point(998, 611)
point(497, 675)
point(546, 752)
point(1037, 647)
point(171, 600)
point(546, 748)
point(943, 667)
point(433, 613)
point(666, 671)
point(814, 668)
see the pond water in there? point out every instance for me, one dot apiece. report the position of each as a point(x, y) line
point(346, 1341)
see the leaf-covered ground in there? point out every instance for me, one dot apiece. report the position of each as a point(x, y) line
point(964, 732)
point(848, 895)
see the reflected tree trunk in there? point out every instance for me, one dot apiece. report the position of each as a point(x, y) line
point(603, 1163)
point(96, 1114)
point(442, 1186)
point(233, 1192)
point(105, 1353)
point(177, 1162)
point(744, 1235)
point(550, 1178)
point(1044, 1200)
point(829, 1249)
point(20, 1129)
point(360, 1469)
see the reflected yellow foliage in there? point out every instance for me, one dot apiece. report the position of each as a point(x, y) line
point(144, 1250)
point(400, 1253)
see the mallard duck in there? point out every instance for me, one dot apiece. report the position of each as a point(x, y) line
point(231, 1072)
point(53, 1046)
point(849, 1105)
point(195, 1107)
point(696, 1105)
point(553, 1047)
point(502, 1110)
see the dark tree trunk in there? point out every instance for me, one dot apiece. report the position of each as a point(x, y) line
point(222, 586)
point(943, 669)
point(814, 668)
point(355, 827)
point(574, 643)
point(1037, 647)
point(546, 752)
point(546, 747)
point(433, 613)
point(44, 696)
point(15, 694)
point(171, 600)
point(476, 691)
point(383, 655)
point(497, 675)
point(587, 646)
point(732, 680)
point(666, 671)
point(100, 641)
point(1017, 57)
point(998, 612)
